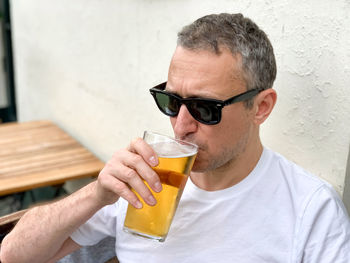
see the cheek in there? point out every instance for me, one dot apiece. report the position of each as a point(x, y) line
point(231, 128)
point(213, 139)
point(235, 118)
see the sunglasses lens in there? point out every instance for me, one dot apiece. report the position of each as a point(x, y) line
point(167, 104)
point(204, 112)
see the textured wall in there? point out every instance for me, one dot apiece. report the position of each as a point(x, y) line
point(88, 64)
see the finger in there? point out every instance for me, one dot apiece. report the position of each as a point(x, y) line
point(137, 160)
point(122, 189)
point(140, 147)
point(133, 179)
point(121, 169)
point(112, 188)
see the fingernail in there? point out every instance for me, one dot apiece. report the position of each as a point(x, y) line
point(158, 187)
point(138, 205)
point(151, 200)
point(153, 161)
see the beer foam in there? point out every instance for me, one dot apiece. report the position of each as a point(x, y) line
point(173, 149)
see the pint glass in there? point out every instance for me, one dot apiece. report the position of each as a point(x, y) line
point(176, 159)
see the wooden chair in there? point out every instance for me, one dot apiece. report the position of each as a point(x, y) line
point(104, 251)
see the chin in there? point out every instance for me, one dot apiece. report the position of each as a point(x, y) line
point(199, 167)
point(201, 163)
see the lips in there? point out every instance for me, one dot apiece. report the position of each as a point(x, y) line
point(191, 139)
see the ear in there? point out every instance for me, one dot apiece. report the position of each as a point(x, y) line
point(264, 103)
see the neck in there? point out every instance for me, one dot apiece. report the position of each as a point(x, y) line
point(232, 172)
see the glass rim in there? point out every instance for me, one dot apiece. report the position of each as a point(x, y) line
point(171, 138)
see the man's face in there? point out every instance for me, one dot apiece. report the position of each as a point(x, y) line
point(204, 74)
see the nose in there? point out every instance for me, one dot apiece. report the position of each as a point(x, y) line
point(184, 124)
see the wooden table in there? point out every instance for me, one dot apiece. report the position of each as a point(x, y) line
point(38, 153)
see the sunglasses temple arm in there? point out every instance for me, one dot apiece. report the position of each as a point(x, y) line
point(242, 97)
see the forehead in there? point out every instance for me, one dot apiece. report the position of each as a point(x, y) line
point(204, 73)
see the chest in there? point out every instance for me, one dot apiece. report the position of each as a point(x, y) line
point(230, 230)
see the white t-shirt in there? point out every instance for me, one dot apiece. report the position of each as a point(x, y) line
point(279, 213)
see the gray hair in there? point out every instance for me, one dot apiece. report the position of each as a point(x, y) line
point(241, 36)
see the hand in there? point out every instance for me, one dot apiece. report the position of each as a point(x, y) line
point(127, 169)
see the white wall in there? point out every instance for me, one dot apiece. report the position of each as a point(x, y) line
point(88, 65)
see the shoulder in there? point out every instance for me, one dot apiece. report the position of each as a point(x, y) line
point(326, 202)
point(303, 188)
point(322, 230)
point(322, 225)
point(312, 192)
point(300, 180)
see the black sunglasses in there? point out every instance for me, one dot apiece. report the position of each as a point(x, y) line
point(207, 111)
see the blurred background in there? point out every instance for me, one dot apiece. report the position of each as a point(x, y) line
point(87, 65)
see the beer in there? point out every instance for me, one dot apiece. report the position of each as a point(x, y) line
point(154, 221)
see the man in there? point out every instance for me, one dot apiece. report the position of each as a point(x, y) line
point(243, 202)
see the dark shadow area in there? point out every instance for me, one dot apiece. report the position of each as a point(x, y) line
point(7, 112)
